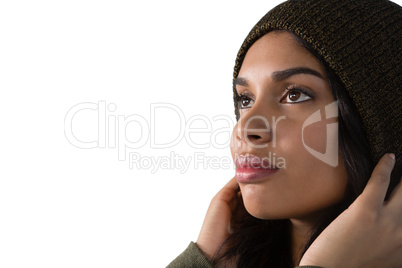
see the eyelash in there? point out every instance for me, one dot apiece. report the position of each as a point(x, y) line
point(239, 99)
point(297, 89)
point(287, 90)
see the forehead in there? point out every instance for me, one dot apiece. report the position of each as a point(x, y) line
point(278, 50)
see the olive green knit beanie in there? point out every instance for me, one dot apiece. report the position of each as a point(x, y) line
point(361, 41)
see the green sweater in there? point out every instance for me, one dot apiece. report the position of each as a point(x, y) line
point(192, 257)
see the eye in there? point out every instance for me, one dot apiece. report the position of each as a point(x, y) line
point(295, 95)
point(245, 102)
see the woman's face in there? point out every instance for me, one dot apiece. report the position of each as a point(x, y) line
point(281, 88)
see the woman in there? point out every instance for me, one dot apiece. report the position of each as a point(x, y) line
point(318, 102)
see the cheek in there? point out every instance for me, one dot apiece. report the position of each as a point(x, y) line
point(234, 143)
point(321, 137)
point(312, 153)
point(308, 147)
point(314, 137)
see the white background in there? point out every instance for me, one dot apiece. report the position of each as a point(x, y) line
point(64, 206)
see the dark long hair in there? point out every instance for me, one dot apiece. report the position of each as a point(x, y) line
point(267, 243)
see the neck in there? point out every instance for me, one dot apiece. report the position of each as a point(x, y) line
point(300, 230)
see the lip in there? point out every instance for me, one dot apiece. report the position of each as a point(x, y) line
point(251, 168)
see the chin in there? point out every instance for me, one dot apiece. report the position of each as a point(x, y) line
point(279, 212)
point(261, 211)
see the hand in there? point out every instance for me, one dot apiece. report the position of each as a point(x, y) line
point(368, 233)
point(223, 209)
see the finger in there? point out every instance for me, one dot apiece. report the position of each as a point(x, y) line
point(232, 184)
point(228, 192)
point(376, 188)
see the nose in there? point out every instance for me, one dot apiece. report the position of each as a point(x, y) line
point(253, 130)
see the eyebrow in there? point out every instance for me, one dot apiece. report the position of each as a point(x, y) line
point(281, 75)
point(241, 82)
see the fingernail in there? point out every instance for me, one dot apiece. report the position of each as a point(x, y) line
point(392, 156)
